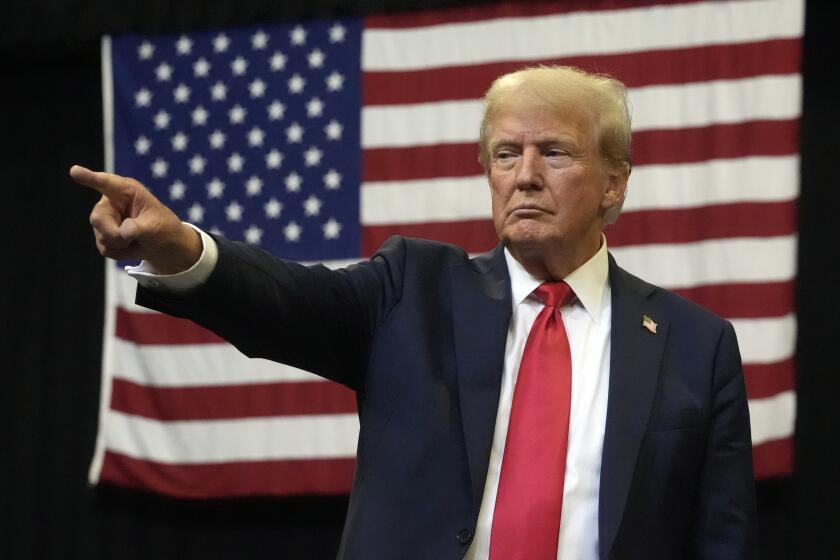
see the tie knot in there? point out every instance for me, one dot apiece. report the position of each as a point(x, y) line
point(554, 294)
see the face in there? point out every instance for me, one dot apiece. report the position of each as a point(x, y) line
point(549, 188)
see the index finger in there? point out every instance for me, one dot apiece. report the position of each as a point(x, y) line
point(105, 183)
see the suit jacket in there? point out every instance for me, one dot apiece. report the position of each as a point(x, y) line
point(419, 333)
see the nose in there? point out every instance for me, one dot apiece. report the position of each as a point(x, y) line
point(529, 169)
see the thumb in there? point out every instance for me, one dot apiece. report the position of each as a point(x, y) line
point(129, 230)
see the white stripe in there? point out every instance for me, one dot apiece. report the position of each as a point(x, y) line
point(190, 365)
point(655, 107)
point(772, 418)
point(724, 181)
point(717, 261)
point(720, 181)
point(580, 33)
point(766, 341)
point(215, 441)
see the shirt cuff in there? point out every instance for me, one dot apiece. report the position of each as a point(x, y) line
point(184, 281)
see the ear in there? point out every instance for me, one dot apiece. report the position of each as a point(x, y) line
point(615, 187)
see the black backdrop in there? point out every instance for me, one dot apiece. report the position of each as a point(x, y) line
point(51, 315)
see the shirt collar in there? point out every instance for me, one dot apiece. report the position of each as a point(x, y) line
point(588, 280)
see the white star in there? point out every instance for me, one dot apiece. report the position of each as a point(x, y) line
point(145, 50)
point(183, 45)
point(218, 92)
point(312, 206)
point(332, 229)
point(292, 231)
point(296, 83)
point(177, 190)
point(312, 156)
point(333, 130)
point(253, 186)
point(239, 65)
point(181, 93)
point(142, 145)
point(161, 119)
point(316, 58)
point(159, 168)
point(215, 188)
point(217, 139)
point(235, 162)
point(216, 231)
point(276, 110)
point(332, 180)
point(259, 40)
point(253, 235)
point(143, 98)
point(297, 35)
point(273, 159)
point(201, 68)
point(293, 182)
point(273, 208)
point(221, 43)
point(257, 88)
point(179, 142)
point(315, 107)
point(233, 211)
point(199, 116)
point(294, 133)
point(255, 137)
point(237, 114)
point(197, 164)
point(196, 213)
point(337, 32)
point(335, 81)
point(277, 61)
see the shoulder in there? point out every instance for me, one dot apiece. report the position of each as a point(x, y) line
point(417, 251)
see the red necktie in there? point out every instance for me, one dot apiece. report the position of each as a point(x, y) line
point(526, 520)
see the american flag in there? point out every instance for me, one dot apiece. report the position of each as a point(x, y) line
point(318, 140)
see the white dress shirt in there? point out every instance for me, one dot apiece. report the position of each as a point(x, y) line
point(587, 320)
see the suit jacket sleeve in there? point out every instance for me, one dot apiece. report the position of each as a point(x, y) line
point(725, 517)
point(310, 317)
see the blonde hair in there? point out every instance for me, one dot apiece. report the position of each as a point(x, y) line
point(597, 99)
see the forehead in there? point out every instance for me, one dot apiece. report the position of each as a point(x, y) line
point(540, 123)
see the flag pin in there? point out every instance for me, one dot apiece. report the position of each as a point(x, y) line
point(648, 323)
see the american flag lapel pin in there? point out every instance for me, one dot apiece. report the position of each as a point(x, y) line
point(649, 324)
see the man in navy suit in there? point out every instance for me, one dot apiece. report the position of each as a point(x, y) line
point(459, 427)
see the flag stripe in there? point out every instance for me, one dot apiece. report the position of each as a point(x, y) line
point(580, 33)
point(243, 439)
point(760, 299)
point(772, 418)
point(654, 107)
point(220, 480)
point(677, 146)
point(766, 340)
point(766, 380)
point(155, 328)
point(683, 65)
point(753, 179)
point(231, 401)
point(461, 14)
point(773, 458)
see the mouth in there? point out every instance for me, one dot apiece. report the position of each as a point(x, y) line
point(528, 211)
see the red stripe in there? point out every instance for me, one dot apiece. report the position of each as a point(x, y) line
point(637, 69)
point(684, 225)
point(156, 328)
point(505, 10)
point(231, 401)
point(219, 480)
point(774, 458)
point(685, 145)
point(737, 301)
point(768, 380)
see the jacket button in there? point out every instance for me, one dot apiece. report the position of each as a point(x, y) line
point(464, 536)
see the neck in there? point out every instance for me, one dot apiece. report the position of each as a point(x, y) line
point(556, 263)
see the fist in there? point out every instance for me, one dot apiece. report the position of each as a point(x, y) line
point(130, 223)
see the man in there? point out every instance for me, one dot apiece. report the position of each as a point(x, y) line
point(534, 402)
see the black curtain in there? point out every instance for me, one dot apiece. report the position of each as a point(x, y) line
point(52, 298)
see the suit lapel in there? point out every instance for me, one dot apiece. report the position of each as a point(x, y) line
point(481, 310)
point(636, 354)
